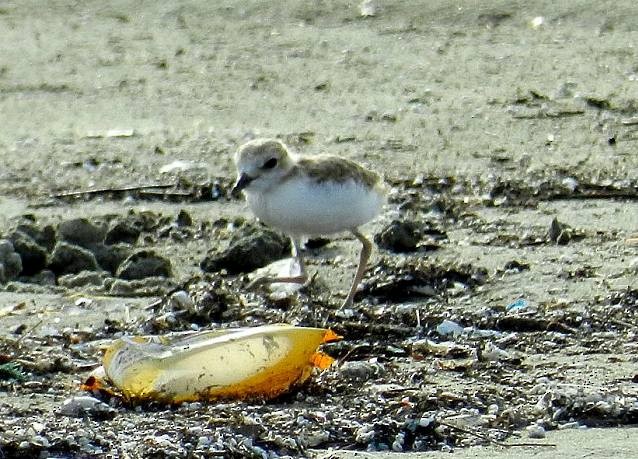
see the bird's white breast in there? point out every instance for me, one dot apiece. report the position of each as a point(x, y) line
point(303, 207)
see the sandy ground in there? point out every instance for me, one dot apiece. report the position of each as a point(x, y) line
point(603, 443)
point(96, 95)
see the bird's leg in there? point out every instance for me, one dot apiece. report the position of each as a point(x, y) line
point(300, 278)
point(366, 250)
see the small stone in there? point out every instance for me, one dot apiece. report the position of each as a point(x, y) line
point(41, 441)
point(122, 231)
point(181, 300)
point(535, 431)
point(33, 255)
point(555, 228)
point(110, 257)
point(399, 236)
point(71, 259)
point(82, 232)
point(561, 233)
point(43, 236)
point(515, 265)
point(85, 405)
point(184, 219)
point(449, 327)
point(142, 264)
point(359, 371)
point(9, 260)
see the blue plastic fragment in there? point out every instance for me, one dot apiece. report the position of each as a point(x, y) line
point(517, 305)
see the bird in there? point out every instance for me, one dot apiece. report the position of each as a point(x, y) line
point(308, 196)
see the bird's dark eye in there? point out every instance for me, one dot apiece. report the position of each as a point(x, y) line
point(272, 162)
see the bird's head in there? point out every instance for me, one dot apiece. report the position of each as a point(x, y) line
point(260, 164)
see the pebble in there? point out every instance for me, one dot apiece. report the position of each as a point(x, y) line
point(184, 219)
point(82, 232)
point(10, 261)
point(83, 405)
point(122, 231)
point(142, 264)
point(448, 327)
point(364, 434)
point(110, 257)
point(71, 259)
point(33, 255)
point(44, 236)
point(400, 236)
point(181, 300)
point(399, 442)
point(359, 371)
point(535, 431)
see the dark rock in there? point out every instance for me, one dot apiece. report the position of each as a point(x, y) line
point(44, 277)
point(82, 232)
point(399, 236)
point(69, 259)
point(33, 255)
point(184, 219)
point(82, 279)
point(562, 234)
point(555, 229)
point(43, 236)
point(142, 264)
point(110, 257)
point(166, 231)
point(122, 231)
point(10, 261)
point(148, 220)
point(252, 247)
point(515, 265)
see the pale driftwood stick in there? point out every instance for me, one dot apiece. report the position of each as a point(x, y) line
point(124, 189)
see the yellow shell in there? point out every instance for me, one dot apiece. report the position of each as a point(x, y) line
point(259, 362)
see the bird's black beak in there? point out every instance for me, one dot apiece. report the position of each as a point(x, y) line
point(242, 182)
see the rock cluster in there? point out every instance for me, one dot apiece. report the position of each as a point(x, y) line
point(80, 251)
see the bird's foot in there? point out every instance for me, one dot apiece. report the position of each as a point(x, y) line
point(261, 281)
